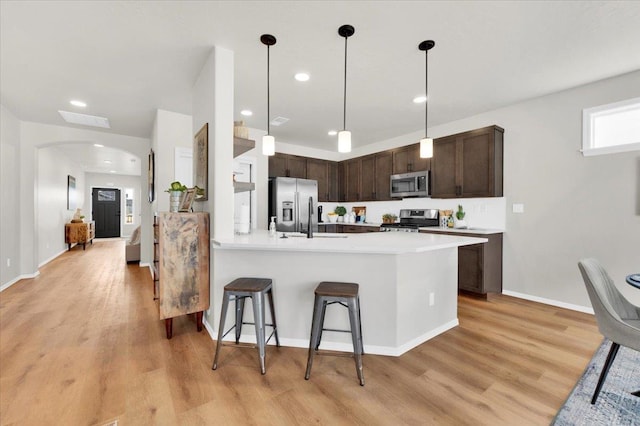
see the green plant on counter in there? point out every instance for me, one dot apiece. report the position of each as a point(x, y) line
point(389, 218)
point(460, 213)
point(340, 210)
point(176, 186)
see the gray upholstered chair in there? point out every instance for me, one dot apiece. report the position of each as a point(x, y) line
point(618, 319)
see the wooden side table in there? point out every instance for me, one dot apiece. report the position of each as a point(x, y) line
point(79, 233)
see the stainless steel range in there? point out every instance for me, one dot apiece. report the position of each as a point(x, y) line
point(411, 220)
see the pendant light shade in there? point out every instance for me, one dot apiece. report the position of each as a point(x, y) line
point(426, 143)
point(268, 145)
point(344, 136)
point(426, 148)
point(344, 141)
point(268, 141)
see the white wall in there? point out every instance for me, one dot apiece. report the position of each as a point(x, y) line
point(173, 130)
point(213, 104)
point(52, 212)
point(9, 193)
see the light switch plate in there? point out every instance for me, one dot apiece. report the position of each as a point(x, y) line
point(518, 208)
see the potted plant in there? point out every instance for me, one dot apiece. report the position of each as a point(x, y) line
point(389, 218)
point(176, 191)
point(459, 221)
point(340, 211)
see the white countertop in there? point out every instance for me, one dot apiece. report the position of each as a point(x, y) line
point(368, 243)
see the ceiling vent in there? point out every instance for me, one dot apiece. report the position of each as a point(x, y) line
point(279, 121)
point(85, 120)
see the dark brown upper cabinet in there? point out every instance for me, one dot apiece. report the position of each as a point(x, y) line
point(319, 170)
point(285, 165)
point(367, 178)
point(352, 171)
point(383, 171)
point(407, 159)
point(469, 164)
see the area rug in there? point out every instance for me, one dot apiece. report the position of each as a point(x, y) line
point(617, 403)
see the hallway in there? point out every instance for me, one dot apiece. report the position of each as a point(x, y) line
point(82, 344)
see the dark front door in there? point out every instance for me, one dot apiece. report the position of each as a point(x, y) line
point(106, 212)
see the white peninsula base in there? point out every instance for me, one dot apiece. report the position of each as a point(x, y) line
point(408, 285)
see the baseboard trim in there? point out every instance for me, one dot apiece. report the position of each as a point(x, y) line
point(51, 258)
point(342, 347)
point(18, 278)
point(585, 309)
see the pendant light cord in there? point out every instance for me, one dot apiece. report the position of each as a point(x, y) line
point(344, 106)
point(268, 94)
point(426, 89)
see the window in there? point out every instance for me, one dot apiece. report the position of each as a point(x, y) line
point(611, 128)
point(128, 206)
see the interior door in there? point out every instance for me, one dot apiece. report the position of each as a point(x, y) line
point(106, 212)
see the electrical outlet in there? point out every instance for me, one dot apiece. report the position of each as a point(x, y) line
point(518, 208)
point(432, 299)
point(8, 262)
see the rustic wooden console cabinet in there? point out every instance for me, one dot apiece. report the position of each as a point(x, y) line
point(79, 233)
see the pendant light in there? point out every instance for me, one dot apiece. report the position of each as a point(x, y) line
point(426, 143)
point(268, 141)
point(344, 136)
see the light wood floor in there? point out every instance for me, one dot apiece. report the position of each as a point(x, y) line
point(82, 344)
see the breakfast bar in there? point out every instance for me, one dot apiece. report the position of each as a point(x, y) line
point(408, 284)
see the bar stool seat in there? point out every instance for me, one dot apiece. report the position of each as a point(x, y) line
point(238, 290)
point(345, 294)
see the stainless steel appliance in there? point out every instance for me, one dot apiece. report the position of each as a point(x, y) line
point(411, 220)
point(415, 184)
point(293, 202)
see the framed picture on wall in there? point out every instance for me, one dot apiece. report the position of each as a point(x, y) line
point(151, 176)
point(71, 192)
point(200, 162)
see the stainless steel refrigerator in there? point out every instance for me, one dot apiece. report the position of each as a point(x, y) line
point(293, 201)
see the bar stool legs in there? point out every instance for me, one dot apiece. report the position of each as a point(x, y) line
point(240, 289)
point(345, 294)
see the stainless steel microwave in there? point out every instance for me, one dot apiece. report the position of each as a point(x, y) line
point(414, 184)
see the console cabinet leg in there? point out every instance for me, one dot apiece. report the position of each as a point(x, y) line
point(199, 320)
point(168, 325)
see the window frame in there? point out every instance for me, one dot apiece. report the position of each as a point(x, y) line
point(588, 121)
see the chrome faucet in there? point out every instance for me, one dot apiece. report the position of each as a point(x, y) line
point(309, 224)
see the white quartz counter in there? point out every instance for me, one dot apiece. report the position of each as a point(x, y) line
point(371, 243)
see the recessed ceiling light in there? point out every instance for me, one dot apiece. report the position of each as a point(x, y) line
point(107, 161)
point(246, 112)
point(420, 99)
point(78, 103)
point(332, 132)
point(85, 120)
point(98, 145)
point(112, 171)
point(302, 76)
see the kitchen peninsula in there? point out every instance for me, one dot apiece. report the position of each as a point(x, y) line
point(408, 284)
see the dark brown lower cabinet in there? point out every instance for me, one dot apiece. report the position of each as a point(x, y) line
point(347, 229)
point(359, 229)
point(480, 265)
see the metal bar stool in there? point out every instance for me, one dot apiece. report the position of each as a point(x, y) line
point(238, 290)
point(345, 294)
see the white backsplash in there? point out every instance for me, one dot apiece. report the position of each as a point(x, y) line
point(480, 212)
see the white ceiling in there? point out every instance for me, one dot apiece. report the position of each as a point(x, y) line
point(126, 59)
